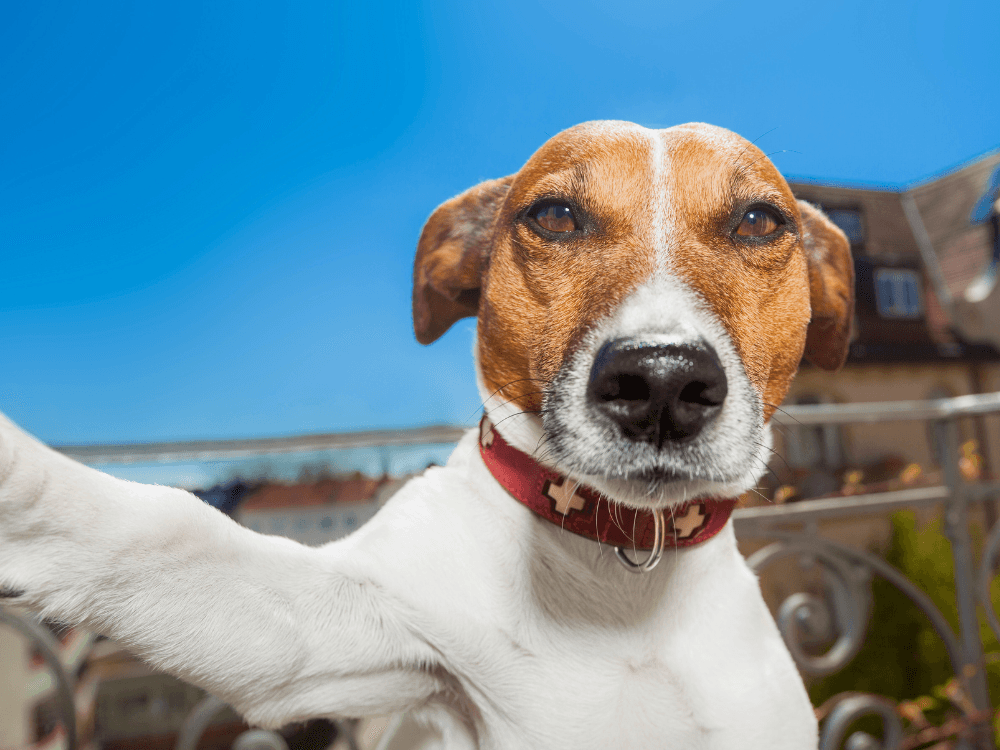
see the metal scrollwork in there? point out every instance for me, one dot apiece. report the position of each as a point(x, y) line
point(48, 647)
point(197, 721)
point(843, 614)
point(848, 572)
point(990, 551)
point(851, 707)
point(199, 718)
point(260, 739)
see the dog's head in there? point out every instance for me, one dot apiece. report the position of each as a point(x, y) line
point(644, 300)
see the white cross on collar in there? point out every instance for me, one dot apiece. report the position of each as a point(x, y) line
point(564, 498)
point(685, 526)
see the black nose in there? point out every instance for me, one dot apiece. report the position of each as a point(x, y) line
point(656, 391)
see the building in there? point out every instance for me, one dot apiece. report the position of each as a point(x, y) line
point(927, 324)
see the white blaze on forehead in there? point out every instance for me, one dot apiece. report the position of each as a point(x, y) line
point(663, 179)
point(660, 198)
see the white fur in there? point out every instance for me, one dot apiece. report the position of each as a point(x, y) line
point(661, 208)
point(731, 450)
point(454, 602)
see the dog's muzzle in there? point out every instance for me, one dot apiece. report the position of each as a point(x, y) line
point(657, 392)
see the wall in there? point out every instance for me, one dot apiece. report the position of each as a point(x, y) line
point(859, 383)
point(13, 688)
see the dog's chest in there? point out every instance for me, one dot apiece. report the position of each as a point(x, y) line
point(557, 677)
point(581, 695)
point(595, 690)
point(548, 643)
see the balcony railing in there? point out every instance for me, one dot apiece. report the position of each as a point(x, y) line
point(790, 532)
point(794, 531)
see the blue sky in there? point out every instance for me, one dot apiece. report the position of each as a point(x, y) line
point(208, 214)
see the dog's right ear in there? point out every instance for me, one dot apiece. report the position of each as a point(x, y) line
point(452, 256)
point(831, 288)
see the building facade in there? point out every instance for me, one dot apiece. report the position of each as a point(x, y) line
point(925, 260)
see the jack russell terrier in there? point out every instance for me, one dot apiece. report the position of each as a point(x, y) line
point(570, 579)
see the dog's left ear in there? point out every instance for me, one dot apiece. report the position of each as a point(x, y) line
point(831, 288)
point(451, 257)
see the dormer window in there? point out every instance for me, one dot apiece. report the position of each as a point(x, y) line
point(897, 293)
point(849, 221)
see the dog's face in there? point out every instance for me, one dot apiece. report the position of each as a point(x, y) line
point(645, 297)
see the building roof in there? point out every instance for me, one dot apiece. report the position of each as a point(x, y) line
point(201, 464)
point(940, 239)
point(352, 489)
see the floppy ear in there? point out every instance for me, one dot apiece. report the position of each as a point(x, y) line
point(452, 256)
point(831, 288)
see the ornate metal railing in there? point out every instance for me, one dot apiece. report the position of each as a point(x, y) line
point(842, 612)
point(844, 609)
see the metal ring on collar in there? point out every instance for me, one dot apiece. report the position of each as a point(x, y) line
point(654, 554)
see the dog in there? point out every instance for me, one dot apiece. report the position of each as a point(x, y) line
point(570, 578)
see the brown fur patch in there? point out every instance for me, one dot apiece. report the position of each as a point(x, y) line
point(451, 257)
point(831, 286)
point(759, 290)
point(540, 294)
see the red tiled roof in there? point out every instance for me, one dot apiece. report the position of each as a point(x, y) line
point(353, 489)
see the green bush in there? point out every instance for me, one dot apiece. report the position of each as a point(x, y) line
point(902, 656)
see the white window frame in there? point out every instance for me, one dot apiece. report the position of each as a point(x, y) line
point(902, 305)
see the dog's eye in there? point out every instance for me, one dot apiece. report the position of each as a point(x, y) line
point(758, 222)
point(555, 217)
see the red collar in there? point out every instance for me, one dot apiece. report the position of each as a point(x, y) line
point(580, 509)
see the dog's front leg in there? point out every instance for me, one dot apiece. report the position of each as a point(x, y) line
point(279, 630)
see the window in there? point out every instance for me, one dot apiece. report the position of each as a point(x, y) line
point(897, 293)
point(849, 220)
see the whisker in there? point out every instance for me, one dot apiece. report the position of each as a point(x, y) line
point(760, 495)
point(515, 414)
point(754, 142)
point(782, 428)
point(500, 390)
point(676, 548)
point(774, 453)
point(765, 465)
point(635, 552)
point(778, 408)
point(616, 517)
point(741, 168)
point(512, 400)
point(597, 528)
point(767, 156)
